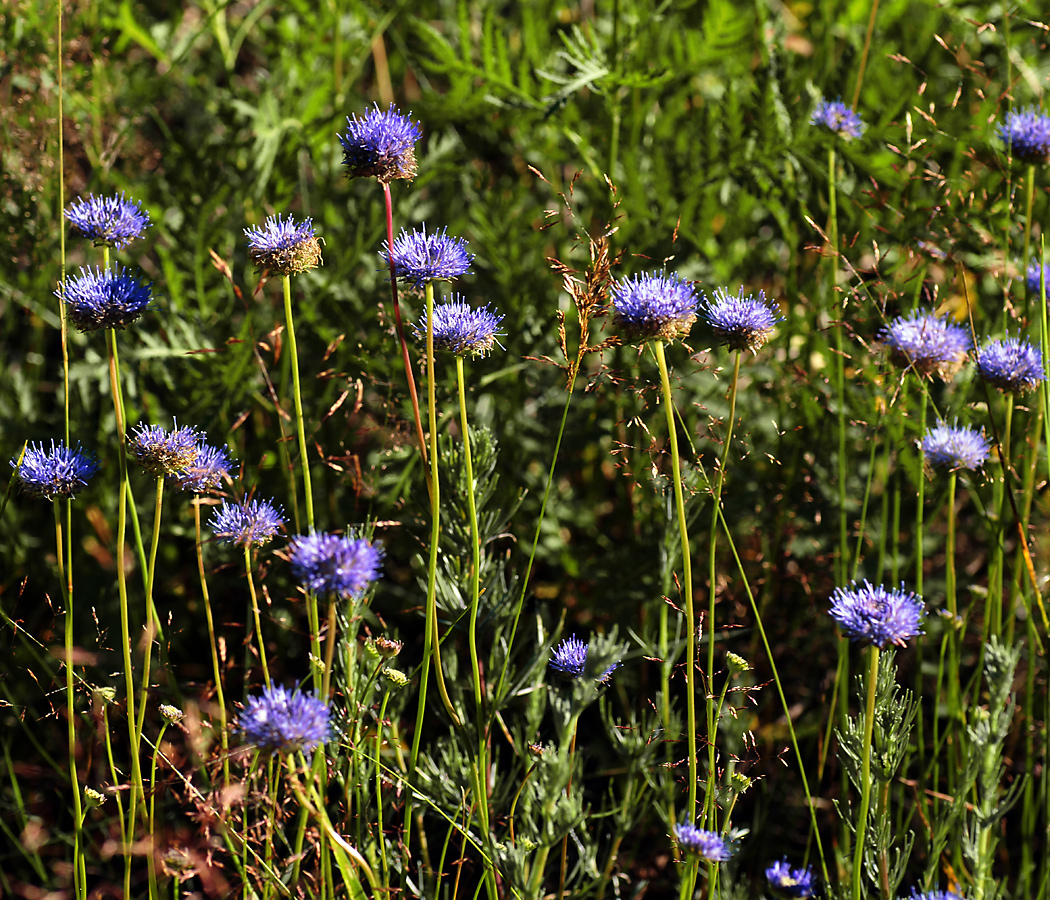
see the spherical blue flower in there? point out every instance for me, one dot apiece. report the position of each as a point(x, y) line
point(380, 144)
point(284, 246)
point(1013, 365)
point(837, 118)
point(248, 524)
point(927, 343)
point(705, 844)
point(954, 447)
point(342, 564)
point(788, 882)
point(57, 472)
point(654, 306)
point(205, 473)
point(104, 299)
point(935, 895)
point(285, 721)
point(420, 257)
point(569, 658)
point(877, 615)
point(1034, 278)
point(162, 452)
point(460, 328)
point(1026, 135)
point(740, 323)
point(110, 221)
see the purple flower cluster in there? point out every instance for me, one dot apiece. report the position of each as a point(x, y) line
point(1034, 277)
point(247, 524)
point(205, 473)
point(162, 452)
point(929, 344)
point(461, 329)
point(285, 721)
point(104, 299)
point(569, 661)
point(740, 323)
point(877, 615)
point(284, 246)
point(1026, 135)
point(954, 447)
point(654, 307)
point(380, 145)
point(704, 844)
point(790, 883)
point(58, 472)
point(420, 257)
point(1012, 365)
point(108, 221)
point(839, 119)
point(339, 564)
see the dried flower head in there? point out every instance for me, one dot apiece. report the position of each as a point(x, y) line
point(162, 452)
point(929, 344)
point(569, 658)
point(205, 473)
point(171, 713)
point(381, 144)
point(788, 882)
point(58, 472)
point(740, 323)
point(461, 329)
point(248, 524)
point(877, 615)
point(420, 257)
point(1026, 135)
point(104, 299)
point(954, 447)
point(108, 221)
point(654, 307)
point(342, 564)
point(284, 246)
point(839, 119)
point(707, 845)
point(387, 648)
point(1012, 365)
point(285, 721)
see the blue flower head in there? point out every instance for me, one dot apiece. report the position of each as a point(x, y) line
point(162, 452)
point(740, 323)
point(284, 246)
point(340, 564)
point(247, 524)
point(460, 328)
point(284, 721)
point(420, 257)
point(104, 299)
point(1012, 365)
point(205, 473)
point(954, 447)
point(839, 119)
point(58, 472)
point(877, 615)
point(569, 658)
point(654, 307)
point(935, 895)
point(788, 882)
point(108, 221)
point(381, 145)
point(1026, 135)
point(929, 344)
point(1034, 276)
point(705, 844)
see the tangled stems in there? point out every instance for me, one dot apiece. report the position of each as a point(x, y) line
point(709, 802)
point(865, 774)
point(687, 585)
point(399, 325)
point(63, 546)
point(213, 644)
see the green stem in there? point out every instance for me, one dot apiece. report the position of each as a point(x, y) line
point(384, 867)
point(865, 775)
point(864, 53)
point(1029, 191)
point(258, 619)
point(951, 599)
point(921, 500)
point(711, 809)
point(839, 364)
point(149, 617)
point(687, 578)
point(304, 455)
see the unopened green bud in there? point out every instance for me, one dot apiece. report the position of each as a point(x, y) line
point(106, 694)
point(525, 844)
point(93, 798)
point(739, 782)
point(171, 713)
point(737, 664)
point(396, 677)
